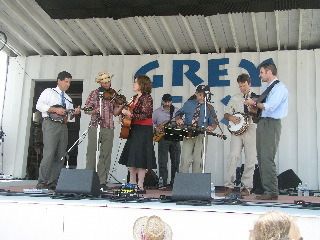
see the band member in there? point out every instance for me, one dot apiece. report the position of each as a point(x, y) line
point(109, 109)
point(55, 134)
point(247, 140)
point(160, 116)
point(138, 153)
point(274, 108)
point(194, 112)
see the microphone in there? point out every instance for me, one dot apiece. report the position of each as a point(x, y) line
point(101, 91)
point(206, 89)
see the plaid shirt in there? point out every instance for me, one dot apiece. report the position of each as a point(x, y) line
point(107, 110)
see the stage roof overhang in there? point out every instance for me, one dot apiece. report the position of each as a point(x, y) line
point(91, 27)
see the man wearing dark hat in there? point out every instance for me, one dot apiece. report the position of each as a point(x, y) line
point(160, 116)
point(194, 112)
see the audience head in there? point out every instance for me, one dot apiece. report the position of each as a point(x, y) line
point(151, 228)
point(275, 226)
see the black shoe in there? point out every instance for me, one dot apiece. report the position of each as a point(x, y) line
point(141, 191)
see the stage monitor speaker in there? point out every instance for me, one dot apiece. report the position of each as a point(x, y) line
point(78, 181)
point(192, 186)
point(288, 179)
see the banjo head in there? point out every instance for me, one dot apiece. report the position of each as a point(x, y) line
point(240, 128)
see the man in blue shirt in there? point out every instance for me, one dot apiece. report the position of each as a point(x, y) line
point(274, 108)
point(194, 112)
point(160, 117)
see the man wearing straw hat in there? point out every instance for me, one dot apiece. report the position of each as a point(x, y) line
point(109, 109)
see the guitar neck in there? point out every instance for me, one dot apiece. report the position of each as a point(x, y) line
point(224, 137)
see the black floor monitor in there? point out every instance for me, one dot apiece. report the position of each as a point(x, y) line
point(192, 186)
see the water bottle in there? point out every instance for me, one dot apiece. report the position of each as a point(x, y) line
point(213, 191)
point(306, 190)
point(160, 184)
point(300, 190)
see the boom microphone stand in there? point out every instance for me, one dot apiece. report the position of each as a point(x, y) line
point(78, 141)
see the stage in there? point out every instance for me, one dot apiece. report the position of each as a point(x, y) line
point(31, 217)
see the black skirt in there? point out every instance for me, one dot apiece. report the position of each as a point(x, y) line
point(138, 151)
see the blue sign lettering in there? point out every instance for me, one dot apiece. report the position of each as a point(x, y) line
point(157, 80)
point(214, 72)
point(177, 72)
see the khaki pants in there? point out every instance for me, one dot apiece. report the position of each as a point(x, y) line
point(192, 149)
point(106, 139)
point(248, 142)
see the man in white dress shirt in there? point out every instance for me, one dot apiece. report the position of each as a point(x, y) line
point(55, 133)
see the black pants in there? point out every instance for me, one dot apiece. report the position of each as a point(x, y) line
point(174, 149)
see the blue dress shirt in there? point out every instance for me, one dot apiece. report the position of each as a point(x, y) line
point(276, 105)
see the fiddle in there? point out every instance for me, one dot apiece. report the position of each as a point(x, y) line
point(112, 95)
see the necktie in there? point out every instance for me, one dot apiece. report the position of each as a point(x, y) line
point(63, 101)
point(196, 116)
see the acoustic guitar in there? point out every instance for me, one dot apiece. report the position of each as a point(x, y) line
point(157, 136)
point(126, 122)
point(255, 112)
point(159, 132)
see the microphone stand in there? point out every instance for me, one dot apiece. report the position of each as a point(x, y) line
point(79, 140)
point(205, 134)
point(98, 131)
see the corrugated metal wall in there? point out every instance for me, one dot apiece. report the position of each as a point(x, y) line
point(300, 139)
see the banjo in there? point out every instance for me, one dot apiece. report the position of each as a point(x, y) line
point(241, 127)
point(63, 118)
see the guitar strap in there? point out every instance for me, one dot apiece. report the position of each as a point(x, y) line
point(261, 99)
point(63, 96)
point(264, 95)
point(171, 111)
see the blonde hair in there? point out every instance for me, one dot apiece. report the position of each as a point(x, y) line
point(151, 228)
point(275, 226)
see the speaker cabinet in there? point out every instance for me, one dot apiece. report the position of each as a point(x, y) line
point(78, 181)
point(288, 179)
point(192, 186)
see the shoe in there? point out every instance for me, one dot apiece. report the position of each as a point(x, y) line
point(267, 197)
point(42, 186)
point(52, 186)
point(141, 191)
point(227, 191)
point(104, 187)
point(245, 192)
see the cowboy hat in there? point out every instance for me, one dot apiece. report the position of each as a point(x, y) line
point(103, 77)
